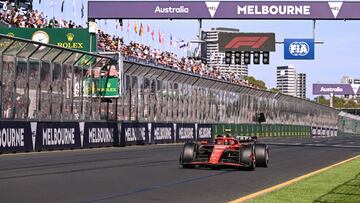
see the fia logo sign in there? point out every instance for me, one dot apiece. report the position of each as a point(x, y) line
point(299, 49)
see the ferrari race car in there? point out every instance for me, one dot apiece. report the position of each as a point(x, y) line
point(242, 152)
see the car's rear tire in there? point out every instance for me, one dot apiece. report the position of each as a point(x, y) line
point(262, 155)
point(188, 155)
point(247, 156)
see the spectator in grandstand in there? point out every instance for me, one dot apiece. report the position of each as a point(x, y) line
point(107, 42)
point(8, 111)
point(71, 24)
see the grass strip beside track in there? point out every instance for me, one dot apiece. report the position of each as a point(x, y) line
point(337, 183)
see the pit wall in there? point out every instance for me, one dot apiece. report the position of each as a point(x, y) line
point(23, 136)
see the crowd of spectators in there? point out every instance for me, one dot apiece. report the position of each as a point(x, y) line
point(171, 60)
point(106, 42)
point(32, 19)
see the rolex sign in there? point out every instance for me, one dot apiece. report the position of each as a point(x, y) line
point(64, 37)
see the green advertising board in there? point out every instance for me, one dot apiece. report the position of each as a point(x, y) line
point(101, 87)
point(71, 38)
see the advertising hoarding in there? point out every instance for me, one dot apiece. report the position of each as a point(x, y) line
point(101, 87)
point(71, 38)
point(162, 133)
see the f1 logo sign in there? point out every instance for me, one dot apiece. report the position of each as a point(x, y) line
point(253, 42)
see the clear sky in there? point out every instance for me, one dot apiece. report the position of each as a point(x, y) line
point(338, 56)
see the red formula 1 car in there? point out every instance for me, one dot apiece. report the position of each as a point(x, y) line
point(241, 152)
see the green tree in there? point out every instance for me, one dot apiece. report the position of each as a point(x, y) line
point(274, 89)
point(258, 83)
point(338, 102)
point(350, 104)
point(322, 100)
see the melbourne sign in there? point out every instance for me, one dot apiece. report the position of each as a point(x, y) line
point(15, 136)
point(64, 37)
point(246, 41)
point(185, 132)
point(135, 133)
point(336, 89)
point(299, 49)
point(65, 135)
point(100, 134)
point(162, 132)
point(204, 132)
point(224, 10)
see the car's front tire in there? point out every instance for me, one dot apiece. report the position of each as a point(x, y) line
point(188, 155)
point(247, 156)
point(262, 155)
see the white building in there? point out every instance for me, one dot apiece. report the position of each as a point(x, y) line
point(215, 58)
point(289, 82)
point(301, 85)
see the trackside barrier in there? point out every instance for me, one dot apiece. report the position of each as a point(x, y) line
point(162, 133)
point(15, 137)
point(99, 134)
point(59, 135)
point(135, 133)
point(22, 136)
point(204, 132)
point(185, 132)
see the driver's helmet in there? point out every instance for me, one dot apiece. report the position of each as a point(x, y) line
point(227, 142)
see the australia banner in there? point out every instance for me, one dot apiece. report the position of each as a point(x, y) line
point(336, 89)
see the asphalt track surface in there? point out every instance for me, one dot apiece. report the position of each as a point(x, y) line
point(152, 174)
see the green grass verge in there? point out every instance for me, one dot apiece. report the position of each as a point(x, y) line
point(339, 184)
